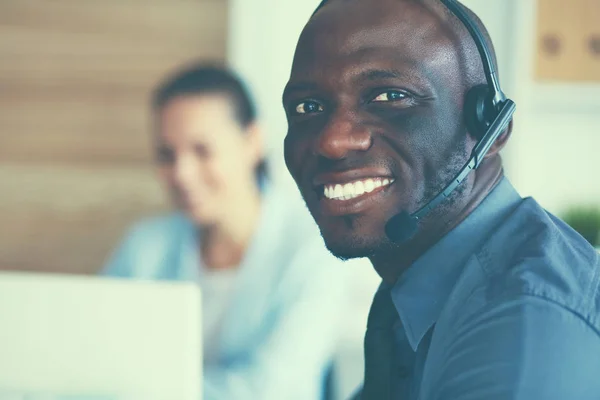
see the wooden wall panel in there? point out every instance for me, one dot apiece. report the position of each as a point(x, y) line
point(66, 219)
point(75, 76)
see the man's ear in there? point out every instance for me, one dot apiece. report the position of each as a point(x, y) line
point(501, 141)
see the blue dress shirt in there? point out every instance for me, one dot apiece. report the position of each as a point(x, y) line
point(505, 307)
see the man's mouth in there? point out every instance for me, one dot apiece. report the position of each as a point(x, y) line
point(352, 190)
point(339, 196)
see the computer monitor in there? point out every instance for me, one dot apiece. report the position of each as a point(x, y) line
point(77, 337)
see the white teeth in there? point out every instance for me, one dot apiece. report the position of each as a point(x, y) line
point(338, 191)
point(348, 190)
point(359, 188)
point(355, 189)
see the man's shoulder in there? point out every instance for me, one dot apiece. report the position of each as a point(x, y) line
point(537, 254)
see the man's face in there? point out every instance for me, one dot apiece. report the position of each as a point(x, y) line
point(374, 108)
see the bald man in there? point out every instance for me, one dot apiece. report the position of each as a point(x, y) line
point(491, 297)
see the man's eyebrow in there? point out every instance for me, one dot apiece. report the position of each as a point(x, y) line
point(292, 87)
point(408, 73)
point(380, 74)
point(372, 74)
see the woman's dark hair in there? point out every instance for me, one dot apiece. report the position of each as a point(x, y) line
point(202, 79)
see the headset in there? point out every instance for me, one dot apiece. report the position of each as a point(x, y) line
point(487, 111)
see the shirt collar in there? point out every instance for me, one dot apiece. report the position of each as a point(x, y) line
point(421, 292)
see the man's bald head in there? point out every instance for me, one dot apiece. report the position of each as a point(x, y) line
point(474, 73)
point(377, 94)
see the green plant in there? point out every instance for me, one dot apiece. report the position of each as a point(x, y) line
point(586, 221)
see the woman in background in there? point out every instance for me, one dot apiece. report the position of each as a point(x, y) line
point(271, 291)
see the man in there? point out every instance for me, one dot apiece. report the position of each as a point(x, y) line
point(491, 297)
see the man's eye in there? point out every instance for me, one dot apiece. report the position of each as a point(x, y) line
point(390, 95)
point(308, 107)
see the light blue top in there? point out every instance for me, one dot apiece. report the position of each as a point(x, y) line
point(280, 331)
point(505, 307)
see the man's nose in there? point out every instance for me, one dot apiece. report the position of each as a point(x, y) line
point(342, 134)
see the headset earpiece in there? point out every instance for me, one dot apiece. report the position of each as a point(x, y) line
point(479, 110)
point(487, 112)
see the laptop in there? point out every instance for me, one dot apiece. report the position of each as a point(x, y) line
point(91, 338)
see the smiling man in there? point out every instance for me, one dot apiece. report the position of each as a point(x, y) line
point(487, 296)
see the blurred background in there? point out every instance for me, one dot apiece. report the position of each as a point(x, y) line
point(75, 77)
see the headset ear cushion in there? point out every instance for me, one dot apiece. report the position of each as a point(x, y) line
point(476, 111)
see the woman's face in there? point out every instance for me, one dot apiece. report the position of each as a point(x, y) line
point(206, 158)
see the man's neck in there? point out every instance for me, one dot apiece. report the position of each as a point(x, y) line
point(392, 263)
